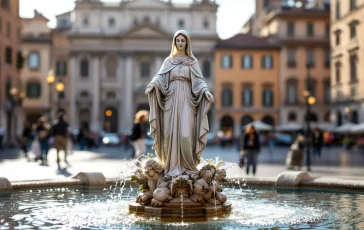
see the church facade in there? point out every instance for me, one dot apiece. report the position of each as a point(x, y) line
point(116, 49)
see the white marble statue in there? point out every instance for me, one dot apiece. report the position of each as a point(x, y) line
point(179, 100)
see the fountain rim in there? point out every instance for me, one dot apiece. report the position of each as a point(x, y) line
point(325, 183)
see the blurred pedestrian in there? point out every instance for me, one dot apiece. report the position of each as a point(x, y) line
point(251, 146)
point(2, 132)
point(295, 154)
point(270, 142)
point(60, 133)
point(26, 138)
point(43, 136)
point(81, 139)
point(139, 134)
point(317, 142)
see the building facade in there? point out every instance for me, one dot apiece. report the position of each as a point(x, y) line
point(347, 61)
point(302, 28)
point(36, 48)
point(246, 82)
point(10, 65)
point(116, 49)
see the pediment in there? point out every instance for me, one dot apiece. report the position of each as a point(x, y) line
point(143, 4)
point(146, 31)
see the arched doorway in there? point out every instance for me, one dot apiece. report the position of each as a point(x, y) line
point(226, 130)
point(246, 119)
point(84, 118)
point(111, 120)
point(268, 119)
point(339, 119)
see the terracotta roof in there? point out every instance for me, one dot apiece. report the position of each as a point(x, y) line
point(246, 41)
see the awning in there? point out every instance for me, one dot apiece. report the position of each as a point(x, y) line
point(290, 126)
point(358, 128)
point(345, 128)
point(260, 126)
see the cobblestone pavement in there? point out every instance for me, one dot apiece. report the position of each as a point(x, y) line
point(334, 162)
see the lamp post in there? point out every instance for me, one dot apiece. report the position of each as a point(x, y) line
point(50, 79)
point(309, 100)
point(60, 89)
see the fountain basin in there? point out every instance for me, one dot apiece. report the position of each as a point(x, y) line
point(191, 212)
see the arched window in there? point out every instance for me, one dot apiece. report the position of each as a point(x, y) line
point(312, 117)
point(292, 116)
point(206, 69)
point(268, 120)
point(110, 95)
point(206, 24)
point(246, 119)
point(146, 20)
point(111, 65)
point(226, 122)
point(84, 95)
point(34, 90)
point(84, 68)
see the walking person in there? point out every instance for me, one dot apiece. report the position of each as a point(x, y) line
point(317, 142)
point(251, 146)
point(26, 138)
point(43, 136)
point(2, 132)
point(138, 134)
point(60, 133)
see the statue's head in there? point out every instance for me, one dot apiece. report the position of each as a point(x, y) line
point(182, 41)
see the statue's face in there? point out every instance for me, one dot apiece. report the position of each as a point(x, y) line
point(181, 42)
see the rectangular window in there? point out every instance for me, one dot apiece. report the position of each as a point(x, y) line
point(327, 58)
point(61, 68)
point(337, 9)
point(33, 61)
point(8, 55)
point(353, 69)
point(227, 97)
point(291, 58)
point(290, 29)
point(145, 69)
point(206, 69)
point(267, 97)
point(337, 72)
point(267, 62)
point(61, 95)
point(247, 62)
point(337, 38)
point(85, 21)
point(291, 94)
point(226, 61)
point(33, 90)
point(352, 5)
point(310, 58)
point(352, 31)
point(247, 97)
point(310, 29)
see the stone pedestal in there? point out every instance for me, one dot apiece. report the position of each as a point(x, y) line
point(191, 212)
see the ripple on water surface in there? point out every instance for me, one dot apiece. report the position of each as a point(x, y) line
point(108, 208)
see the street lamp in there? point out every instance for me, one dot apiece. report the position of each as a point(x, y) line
point(50, 79)
point(310, 100)
point(59, 88)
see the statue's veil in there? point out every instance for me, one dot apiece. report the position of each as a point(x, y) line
point(188, 46)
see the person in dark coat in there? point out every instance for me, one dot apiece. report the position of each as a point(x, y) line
point(26, 138)
point(317, 142)
point(251, 146)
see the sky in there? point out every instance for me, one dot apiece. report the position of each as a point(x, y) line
point(231, 15)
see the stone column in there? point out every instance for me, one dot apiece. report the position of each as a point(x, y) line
point(95, 78)
point(128, 105)
point(121, 79)
point(73, 118)
point(158, 63)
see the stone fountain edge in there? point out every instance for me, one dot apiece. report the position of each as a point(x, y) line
point(286, 179)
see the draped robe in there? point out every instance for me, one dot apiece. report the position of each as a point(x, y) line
point(178, 116)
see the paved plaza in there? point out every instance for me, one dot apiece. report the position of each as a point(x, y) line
point(113, 161)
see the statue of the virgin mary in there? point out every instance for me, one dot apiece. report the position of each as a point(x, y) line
point(179, 100)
